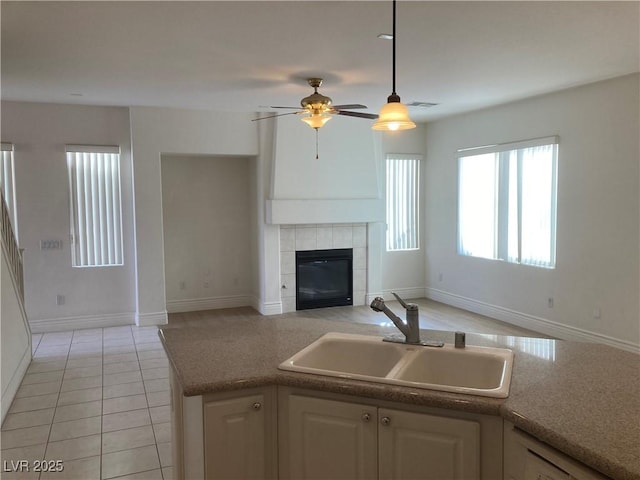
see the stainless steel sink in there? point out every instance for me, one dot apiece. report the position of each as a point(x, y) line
point(471, 370)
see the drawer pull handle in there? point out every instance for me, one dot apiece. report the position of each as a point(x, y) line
point(366, 417)
point(385, 421)
point(257, 406)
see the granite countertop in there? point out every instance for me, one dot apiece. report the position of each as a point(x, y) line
point(581, 398)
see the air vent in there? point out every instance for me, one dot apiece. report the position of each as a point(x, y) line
point(422, 104)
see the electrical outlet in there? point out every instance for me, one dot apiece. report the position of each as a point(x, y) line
point(50, 244)
point(60, 300)
point(550, 302)
point(597, 313)
point(205, 284)
point(440, 276)
point(182, 284)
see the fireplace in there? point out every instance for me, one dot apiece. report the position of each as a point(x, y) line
point(324, 278)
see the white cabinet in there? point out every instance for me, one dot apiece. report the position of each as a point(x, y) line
point(327, 439)
point(331, 438)
point(230, 435)
point(526, 458)
point(416, 445)
point(235, 442)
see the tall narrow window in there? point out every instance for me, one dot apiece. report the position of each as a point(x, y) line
point(7, 185)
point(95, 205)
point(403, 189)
point(507, 202)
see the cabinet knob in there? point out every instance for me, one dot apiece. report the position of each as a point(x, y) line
point(366, 417)
point(256, 406)
point(385, 421)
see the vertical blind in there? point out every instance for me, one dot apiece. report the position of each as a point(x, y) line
point(95, 205)
point(507, 202)
point(7, 184)
point(403, 180)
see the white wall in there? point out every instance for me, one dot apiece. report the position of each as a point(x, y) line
point(207, 232)
point(347, 184)
point(157, 131)
point(598, 229)
point(341, 186)
point(403, 272)
point(93, 296)
point(267, 242)
point(15, 338)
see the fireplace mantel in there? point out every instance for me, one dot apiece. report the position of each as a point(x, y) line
point(319, 211)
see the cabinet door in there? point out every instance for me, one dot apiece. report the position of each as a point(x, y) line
point(420, 446)
point(235, 438)
point(329, 439)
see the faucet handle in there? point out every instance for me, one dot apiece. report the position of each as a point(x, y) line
point(402, 302)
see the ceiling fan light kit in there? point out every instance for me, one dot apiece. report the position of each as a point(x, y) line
point(394, 115)
point(316, 120)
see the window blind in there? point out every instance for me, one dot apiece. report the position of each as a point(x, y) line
point(507, 201)
point(402, 197)
point(95, 205)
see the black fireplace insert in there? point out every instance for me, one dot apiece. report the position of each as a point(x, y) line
point(324, 278)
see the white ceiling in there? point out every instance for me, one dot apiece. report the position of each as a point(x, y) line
point(238, 56)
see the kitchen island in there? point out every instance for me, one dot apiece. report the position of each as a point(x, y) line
point(581, 399)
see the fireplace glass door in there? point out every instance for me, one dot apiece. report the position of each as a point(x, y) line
point(324, 278)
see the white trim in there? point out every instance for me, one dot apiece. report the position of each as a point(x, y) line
point(404, 293)
point(210, 303)
point(369, 297)
point(16, 379)
point(193, 437)
point(92, 149)
point(150, 319)
point(269, 308)
point(62, 324)
point(503, 147)
point(542, 325)
point(298, 211)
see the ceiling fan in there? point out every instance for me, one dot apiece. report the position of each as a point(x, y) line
point(318, 108)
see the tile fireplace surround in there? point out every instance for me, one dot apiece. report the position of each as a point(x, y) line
point(321, 237)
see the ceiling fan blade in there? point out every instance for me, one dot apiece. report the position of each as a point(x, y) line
point(370, 116)
point(353, 106)
point(290, 108)
point(273, 116)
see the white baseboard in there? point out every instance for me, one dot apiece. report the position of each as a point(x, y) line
point(46, 325)
point(404, 293)
point(267, 308)
point(531, 322)
point(150, 319)
point(12, 387)
point(211, 303)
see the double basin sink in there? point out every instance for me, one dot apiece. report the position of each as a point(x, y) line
point(470, 370)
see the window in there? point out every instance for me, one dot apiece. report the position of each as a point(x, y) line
point(7, 185)
point(403, 180)
point(507, 202)
point(95, 205)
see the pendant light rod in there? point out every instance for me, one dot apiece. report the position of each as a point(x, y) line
point(394, 115)
point(393, 54)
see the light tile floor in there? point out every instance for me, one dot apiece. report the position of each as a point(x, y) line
point(98, 401)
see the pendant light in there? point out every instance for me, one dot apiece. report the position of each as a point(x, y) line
point(394, 115)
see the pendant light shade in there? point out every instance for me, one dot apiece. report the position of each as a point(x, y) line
point(394, 115)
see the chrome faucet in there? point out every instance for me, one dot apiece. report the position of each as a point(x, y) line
point(410, 329)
